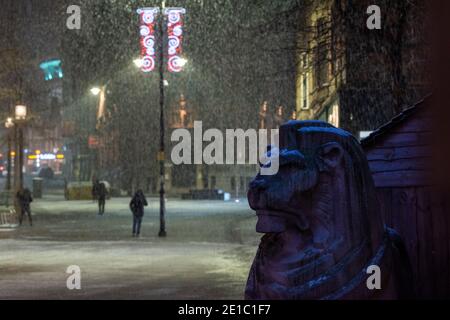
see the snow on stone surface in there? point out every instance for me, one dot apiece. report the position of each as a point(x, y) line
point(207, 253)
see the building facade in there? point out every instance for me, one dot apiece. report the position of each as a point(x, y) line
point(354, 77)
point(35, 80)
point(181, 179)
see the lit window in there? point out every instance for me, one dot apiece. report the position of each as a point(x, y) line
point(305, 93)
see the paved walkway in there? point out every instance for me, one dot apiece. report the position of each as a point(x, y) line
point(207, 253)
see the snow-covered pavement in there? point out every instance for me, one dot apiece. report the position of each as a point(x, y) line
point(207, 253)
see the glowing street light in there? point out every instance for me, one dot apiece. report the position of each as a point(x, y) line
point(96, 91)
point(102, 99)
point(20, 112)
point(182, 62)
point(9, 123)
point(20, 117)
point(138, 62)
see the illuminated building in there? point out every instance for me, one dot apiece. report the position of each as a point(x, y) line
point(41, 74)
point(353, 77)
point(52, 69)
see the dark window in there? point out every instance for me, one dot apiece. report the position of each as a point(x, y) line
point(242, 183)
point(213, 182)
point(183, 176)
point(205, 181)
point(233, 183)
point(321, 54)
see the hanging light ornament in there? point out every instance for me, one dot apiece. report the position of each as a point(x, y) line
point(175, 21)
point(148, 17)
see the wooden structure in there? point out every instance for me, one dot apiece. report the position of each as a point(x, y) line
point(400, 157)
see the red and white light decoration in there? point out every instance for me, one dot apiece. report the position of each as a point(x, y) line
point(175, 22)
point(148, 18)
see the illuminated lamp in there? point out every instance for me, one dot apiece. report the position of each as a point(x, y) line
point(20, 112)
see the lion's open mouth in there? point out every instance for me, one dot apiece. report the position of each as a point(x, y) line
point(277, 221)
point(271, 221)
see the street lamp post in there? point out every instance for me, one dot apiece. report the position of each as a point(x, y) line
point(175, 63)
point(161, 155)
point(20, 118)
point(101, 109)
point(9, 124)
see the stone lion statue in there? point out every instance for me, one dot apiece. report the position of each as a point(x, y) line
point(322, 226)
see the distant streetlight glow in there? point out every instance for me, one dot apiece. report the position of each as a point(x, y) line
point(182, 62)
point(20, 112)
point(96, 91)
point(101, 101)
point(9, 123)
point(138, 62)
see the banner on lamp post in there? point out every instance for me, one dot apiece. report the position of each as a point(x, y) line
point(175, 24)
point(148, 18)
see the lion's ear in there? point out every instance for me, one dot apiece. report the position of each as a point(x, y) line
point(330, 156)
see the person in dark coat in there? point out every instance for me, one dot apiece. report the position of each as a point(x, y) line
point(137, 205)
point(24, 199)
point(95, 187)
point(101, 197)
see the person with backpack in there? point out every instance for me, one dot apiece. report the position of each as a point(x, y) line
point(137, 204)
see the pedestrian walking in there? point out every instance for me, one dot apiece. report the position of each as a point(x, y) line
point(102, 193)
point(137, 204)
point(24, 200)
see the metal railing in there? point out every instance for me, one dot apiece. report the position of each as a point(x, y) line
point(8, 218)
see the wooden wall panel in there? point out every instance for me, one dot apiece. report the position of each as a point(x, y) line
point(400, 161)
point(407, 139)
point(404, 222)
point(440, 236)
point(397, 153)
point(415, 164)
point(419, 215)
point(425, 285)
point(400, 179)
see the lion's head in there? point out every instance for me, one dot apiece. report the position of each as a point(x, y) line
point(318, 213)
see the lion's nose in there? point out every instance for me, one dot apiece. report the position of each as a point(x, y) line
point(259, 184)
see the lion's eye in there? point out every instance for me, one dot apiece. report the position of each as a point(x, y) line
point(295, 165)
point(293, 158)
